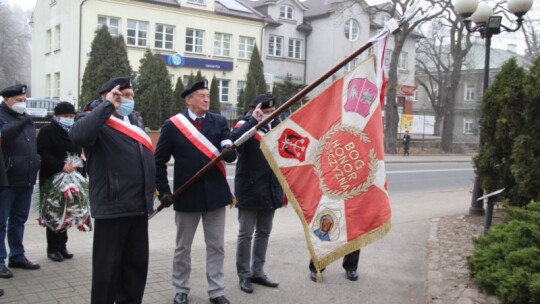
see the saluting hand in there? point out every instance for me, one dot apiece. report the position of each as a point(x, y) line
point(258, 113)
point(115, 97)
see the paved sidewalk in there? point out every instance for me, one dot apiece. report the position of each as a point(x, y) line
point(402, 268)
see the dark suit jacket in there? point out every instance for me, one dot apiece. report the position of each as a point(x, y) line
point(209, 192)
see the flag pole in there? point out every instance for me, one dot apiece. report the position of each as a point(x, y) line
point(391, 26)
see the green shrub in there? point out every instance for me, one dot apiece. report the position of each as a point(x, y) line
point(506, 262)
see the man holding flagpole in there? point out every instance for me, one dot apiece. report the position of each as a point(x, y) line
point(194, 138)
point(121, 170)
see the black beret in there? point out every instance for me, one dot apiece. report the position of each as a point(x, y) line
point(266, 100)
point(64, 107)
point(15, 90)
point(194, 87)
point(123, 82)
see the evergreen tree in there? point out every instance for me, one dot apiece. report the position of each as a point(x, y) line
point(526, 148)
point(215, 105)
point(199, 76)
point(178, 103)
point(120, 58)
point(277, 95)
point(191, 79)
point(255, 83)
point(100, 67)
point(287, 90)
point(153, 92)
point(501, 124)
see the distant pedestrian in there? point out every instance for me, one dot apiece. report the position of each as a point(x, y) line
point(406, 143)
point(258, 193)
point(121, 171)
point(18, 144)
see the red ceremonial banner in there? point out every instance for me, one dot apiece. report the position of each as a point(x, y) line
point(329, 158)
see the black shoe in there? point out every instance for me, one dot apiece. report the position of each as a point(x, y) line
point(264, 281)
point(5, 272)
point(352, 275)
point(313, 276)
point(66, 254)
point(55, 256)
point(23, 263)
point(180, 298)
point(245, 285)
point(1, 292)
point(220, 300)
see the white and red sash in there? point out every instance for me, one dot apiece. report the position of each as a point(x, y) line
point(131, 131)
point(198, 139)
point(258, 135)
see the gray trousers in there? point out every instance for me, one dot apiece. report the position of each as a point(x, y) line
point(250, 260)
point(214, 230)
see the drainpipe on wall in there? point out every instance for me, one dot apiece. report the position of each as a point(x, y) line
point(80, 49)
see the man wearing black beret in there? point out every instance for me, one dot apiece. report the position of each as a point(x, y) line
point(258, 193)
point(121, 171)
point(194, 138)
point(18, 144)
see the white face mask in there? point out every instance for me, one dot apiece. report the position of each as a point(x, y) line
point(19, 107)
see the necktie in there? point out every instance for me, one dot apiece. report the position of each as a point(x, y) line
point(198, 123)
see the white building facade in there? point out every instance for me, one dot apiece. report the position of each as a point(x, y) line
point(215, 37)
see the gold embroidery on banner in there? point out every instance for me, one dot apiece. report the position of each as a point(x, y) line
point(345, 162)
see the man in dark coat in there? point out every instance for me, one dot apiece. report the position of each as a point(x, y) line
point(54, 145)
point(22, 162)
point(258, 193)
point(121, 171)
point(406, 143)
point(193, 138)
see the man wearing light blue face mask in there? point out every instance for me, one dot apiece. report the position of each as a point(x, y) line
point(121, 171)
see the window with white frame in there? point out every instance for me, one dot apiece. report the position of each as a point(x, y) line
point(56, 90)
point(222, 44)
point(245, 47)
point(295, 48)
point(239, 86)
point(48, 85)
point(112, 23)
point(194, 40)
point(404, 61)
point(286, 12)
point(200, 2)
point(223, 86)
point(351, 29)
point(467, 126)
point(57, 37)
point(275, 46)
point(137, 32)
point(350, 65)
point(470, 90)
point(48, 41)
point(387, 57)
point(164, 36)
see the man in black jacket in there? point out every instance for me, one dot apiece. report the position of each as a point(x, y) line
point(121, 171)
point(18, 144)
point(258, 193)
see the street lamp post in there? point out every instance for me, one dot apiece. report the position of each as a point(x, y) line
point(487, 25)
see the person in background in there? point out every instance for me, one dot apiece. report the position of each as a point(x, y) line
point(121, 171)
point(406, 143)
point(54, 145)
point(258, 193)
point(194, 138)
point(18, 144)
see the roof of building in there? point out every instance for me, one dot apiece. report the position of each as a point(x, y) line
point(163, 2)
point(474, 60)
point(238, 8)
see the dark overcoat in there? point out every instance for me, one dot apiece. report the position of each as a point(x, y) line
point(255, 185)
point(209, 192)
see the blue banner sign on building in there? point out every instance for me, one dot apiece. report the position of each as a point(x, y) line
point(177, 60)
